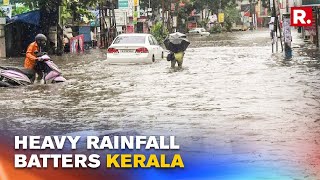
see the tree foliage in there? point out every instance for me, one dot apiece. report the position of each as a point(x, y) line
point(1, 13)
point(72, 9)
point(20, 10)
point(158, 32)
point(232, 15)
point(211, 5)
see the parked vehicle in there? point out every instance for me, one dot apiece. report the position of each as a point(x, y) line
point(199, 31)
point(10, 76)
point(239, 28)
point(134, 48)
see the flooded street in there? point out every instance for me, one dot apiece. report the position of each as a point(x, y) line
point(232, 95)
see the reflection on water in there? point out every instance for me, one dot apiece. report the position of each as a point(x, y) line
point(228, 96)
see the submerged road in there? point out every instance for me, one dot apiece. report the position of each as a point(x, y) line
point(232, 99)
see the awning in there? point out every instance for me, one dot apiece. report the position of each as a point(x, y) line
point(32, 17)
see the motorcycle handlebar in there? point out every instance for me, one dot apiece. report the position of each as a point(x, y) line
point(39, 54)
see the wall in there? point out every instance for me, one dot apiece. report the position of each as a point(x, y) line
point(2, 38)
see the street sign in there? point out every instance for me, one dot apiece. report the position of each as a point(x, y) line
point(135, 2)
point(123, 4)
point(130, 10)
point(310, 2)
point(121, 17)
point(5, 2)
point(221, 17)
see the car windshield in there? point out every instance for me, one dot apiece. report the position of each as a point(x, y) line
point(130, 40)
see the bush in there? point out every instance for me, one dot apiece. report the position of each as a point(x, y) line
point(224, 29)
point(158, 33)
point(232, 15)
point(204, 24)
point(217, 28)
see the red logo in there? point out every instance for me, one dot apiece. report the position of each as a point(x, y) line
point(301, 16)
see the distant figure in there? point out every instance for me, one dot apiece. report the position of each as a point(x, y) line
point(124, 29)
point(93, 39)
point(66, 44)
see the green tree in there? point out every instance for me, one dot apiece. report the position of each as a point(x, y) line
point(1, 13)
point(158, 32)
point(232, 15)
point(20, 10)
point(183, 13)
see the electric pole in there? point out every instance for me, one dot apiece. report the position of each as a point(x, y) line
point(59, 28)
point(251, 15)
point(162, 16)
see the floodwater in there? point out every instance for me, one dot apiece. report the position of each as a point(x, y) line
point(232, 94)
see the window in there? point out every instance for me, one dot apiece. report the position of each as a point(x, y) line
point(130, 40)
point(154, 40)
point(151, 41)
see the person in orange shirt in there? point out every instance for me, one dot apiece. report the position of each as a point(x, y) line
point(31, 58)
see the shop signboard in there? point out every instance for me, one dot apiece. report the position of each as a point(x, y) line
point(77, 44)
point(123, 4)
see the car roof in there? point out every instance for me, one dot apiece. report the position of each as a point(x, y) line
point(134, 34)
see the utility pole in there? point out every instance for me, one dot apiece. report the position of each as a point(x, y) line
point(169, 17)
point(59, 28)
point(274, 14)
point(317, 24)
point(162, 16)
point(251, 15)
point(277, 28)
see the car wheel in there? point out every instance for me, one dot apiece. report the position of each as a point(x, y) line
point(153, 58)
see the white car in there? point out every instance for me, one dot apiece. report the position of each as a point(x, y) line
point(199, 31)
point(134, 49)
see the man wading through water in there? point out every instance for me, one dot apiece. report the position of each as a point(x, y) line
point(177, 43)
point(176, 58)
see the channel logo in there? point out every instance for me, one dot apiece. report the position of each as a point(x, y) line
point(301, 16)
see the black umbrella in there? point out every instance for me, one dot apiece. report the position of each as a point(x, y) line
point(178, 35)
point(176, 44)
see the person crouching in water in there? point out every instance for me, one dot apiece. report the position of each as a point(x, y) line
point(32, 61)
point(176, 58)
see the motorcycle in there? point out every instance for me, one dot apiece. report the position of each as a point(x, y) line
point(10, 77)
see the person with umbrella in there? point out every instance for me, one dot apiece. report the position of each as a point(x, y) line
point(177, 44)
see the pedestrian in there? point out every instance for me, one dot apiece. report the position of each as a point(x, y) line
point(66, 43)
point(176, 58)
point(93, 39)
point(124, 29)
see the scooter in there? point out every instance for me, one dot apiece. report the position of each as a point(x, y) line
point(10, 77)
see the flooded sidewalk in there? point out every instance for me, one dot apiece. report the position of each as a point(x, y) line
point(232, 99)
